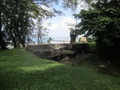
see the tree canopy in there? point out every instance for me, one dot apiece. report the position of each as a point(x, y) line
point(17, 17)
point(103, 22)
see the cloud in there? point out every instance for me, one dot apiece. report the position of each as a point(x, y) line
point(63, 23)
point(59, 28)
point(82, 4)
point(67, 21)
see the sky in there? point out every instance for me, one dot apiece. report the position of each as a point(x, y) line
point(59, 28)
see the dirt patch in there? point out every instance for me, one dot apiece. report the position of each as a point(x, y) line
point(79, 59)
point(101, 67)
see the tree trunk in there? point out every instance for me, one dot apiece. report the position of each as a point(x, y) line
point(2, 42)
point(22, 42)
point(73, 39)
point(38, 40)
point(13, 38)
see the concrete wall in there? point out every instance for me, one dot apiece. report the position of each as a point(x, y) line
point(49, 50)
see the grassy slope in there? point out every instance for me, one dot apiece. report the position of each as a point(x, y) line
point(20, 70)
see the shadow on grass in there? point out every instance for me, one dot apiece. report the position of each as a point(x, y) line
point(32, 73)
point(55, 78)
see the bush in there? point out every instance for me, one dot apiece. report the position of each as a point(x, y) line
point(92, 47)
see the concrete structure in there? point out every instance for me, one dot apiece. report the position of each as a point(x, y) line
point(57, 51)
point(83, 40)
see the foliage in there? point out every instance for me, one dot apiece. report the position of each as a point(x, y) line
point(91, 39)
point(20, 70)
point(17, 17)
point(73, 35)
point(92, 48)
point(103, 22)
point(72, 4)
point(15, 21)
point(40, 32)
point(49, 40)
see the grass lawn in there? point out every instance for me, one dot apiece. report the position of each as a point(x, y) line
point(21, 70)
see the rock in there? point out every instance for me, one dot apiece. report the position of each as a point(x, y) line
point(102, 66)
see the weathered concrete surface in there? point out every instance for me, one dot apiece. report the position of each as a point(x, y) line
point(48, 51)
point(56, 51)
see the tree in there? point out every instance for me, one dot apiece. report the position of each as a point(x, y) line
point(73, 4)
point(2, 33)
point(49, 40)
point(40, 32)
point(103, 22)
point(17, 17)
point(15, 21)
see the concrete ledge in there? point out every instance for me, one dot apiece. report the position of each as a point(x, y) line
point(51, 51)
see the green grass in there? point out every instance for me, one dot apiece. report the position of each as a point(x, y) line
point(21, 70)
point(92, 47)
